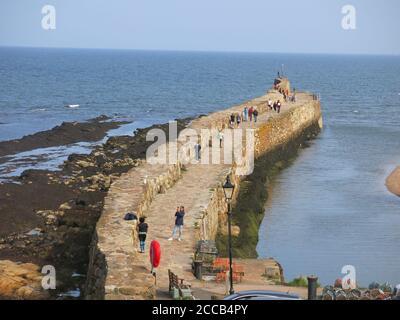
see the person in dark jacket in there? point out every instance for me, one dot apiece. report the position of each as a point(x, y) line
point(197, 151)
point(255, 115)
point(142, 232)
point(179, 215)
point(232, 121)
point(278, 107)
point(238, 119)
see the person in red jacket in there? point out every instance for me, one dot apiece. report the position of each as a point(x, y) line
point(251, 110)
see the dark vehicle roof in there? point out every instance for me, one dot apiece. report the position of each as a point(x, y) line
point(262, 295)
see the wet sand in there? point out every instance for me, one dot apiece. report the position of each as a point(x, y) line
point(393, 182)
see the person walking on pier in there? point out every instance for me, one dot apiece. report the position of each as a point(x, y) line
point(220, 136)
point(197, 151)
point(255, 114)
point(232, 121)
point(278, 106)
point(142, 233)
point(251, 114)
point(293, 98)
point(270, 104)
point(179, 215)
point(245, 114)
point(238, 119)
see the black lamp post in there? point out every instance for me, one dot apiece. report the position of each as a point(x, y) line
point(228, 191)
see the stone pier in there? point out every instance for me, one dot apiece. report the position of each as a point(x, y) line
point(117, 270)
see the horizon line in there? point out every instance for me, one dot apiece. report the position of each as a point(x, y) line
point(201, 51)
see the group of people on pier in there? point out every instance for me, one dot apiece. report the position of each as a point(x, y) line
point(289, 98)
point(249, 114)
point(276, 106)
point(286, 94)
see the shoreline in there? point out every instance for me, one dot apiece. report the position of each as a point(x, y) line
point(393, 182)
point(64, 206)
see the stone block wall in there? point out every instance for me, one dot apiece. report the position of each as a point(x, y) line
point(281, 130)
point(113, 269)
point(274, 133)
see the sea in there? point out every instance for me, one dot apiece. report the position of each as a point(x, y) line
point(329, 209)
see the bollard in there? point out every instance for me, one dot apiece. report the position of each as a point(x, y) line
point(198, 264)
point(312, 287)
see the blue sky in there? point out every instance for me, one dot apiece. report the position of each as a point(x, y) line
point(309, 26)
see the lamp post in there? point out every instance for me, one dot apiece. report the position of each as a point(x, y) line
point(228, 192)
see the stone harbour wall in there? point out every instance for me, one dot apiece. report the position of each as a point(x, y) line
point(113, 271)
point(276, 132)
point(280, 130)
point(212, 217)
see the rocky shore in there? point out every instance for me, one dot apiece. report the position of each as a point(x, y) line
point(48, 217)
point(21, 281)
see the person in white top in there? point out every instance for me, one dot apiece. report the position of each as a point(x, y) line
point(220, 137)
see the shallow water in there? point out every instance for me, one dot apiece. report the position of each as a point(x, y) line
point(331, 208)
point(52, 158)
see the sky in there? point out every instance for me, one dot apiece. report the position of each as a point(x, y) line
point(292, 26)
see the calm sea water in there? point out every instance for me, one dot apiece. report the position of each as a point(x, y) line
point(327, 210)
point(331, 208)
